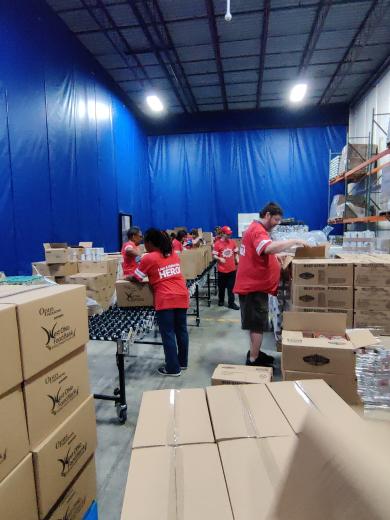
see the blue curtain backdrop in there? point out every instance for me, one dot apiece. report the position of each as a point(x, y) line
point(201, 180)
point(72, 156)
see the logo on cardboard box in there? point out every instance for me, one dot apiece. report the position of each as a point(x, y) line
point(74, 509)
point(71, 458)
point(62, 398)
point(316, 360)
point(55, 337)
point(3, 456)
point(306, 276)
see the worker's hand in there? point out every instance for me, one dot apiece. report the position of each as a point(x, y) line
point(302, 243)
point(222, 260)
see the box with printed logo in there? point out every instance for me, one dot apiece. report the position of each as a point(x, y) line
point(13, 432)
point(322, 272)
point(372, 298)
point(133, 294)
point(61, 456)
point(347, 312)
point(53, 395)
point(17, 493)
point(78, 497)
point(317, 296)
point(10, 362)
point(52, 323)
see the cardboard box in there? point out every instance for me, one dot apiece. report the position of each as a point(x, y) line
point(372, 298)
point(208, 237)
point(13, 432)
point(336, 473)
point(239, 411)
point(58, 270)
point(61, 456)
point(348, 313)
point(322, 272)
point(55, 394)
point(192, 263)
point(187, 483)
point(173, 417)
point(17, 493)
point(10, 362)
point(345, 387)
point(79, 497)
point(373, 320)
point(297, 399)
point(108, 266)
point(317, 296)
point(93, 281)
point(240, 374)
point(52, 323)
point(312, 252)
point(372, 275)
point(133, 294)
point(60, 255)
point(262, 463)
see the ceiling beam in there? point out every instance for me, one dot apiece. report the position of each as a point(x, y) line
point(375, 77)
point(316, 29)
point(176, 59)
point(374, 15)
point(137, 13)
point(217, 50)
point(263, 50)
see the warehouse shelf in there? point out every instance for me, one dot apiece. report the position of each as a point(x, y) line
point(356, 172)
point(357, 220)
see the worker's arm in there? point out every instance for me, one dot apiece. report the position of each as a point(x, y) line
point(278, 246)
point(218, 258)
point(133, 251)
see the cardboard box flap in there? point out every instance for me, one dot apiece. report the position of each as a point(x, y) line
point(239, 411)
point(292, 334)
point(321, 251)
point(301, 321)
point(187, 482)
point(362, 337)
point(173, 417)
point(17, 493)
point(241, 374)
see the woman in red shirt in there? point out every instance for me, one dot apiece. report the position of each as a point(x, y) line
point(171, 298)
point(177, 241)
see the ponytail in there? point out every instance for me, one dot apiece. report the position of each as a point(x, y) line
point(160, 240)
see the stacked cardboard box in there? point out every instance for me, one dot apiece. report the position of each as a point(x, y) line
point(51, 415)
point(318, 346)
point(238, 471)
point(323, 285)
point(194, 261)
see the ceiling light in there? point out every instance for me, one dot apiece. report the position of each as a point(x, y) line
point(298, 92)
point(154, 103)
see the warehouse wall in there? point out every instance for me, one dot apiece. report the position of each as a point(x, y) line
point(206, 179)
point(71, 154)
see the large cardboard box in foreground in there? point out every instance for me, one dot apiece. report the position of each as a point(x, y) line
point(239, 411)
point(336, 472)
point(173, 417)
point(61, 456)
point(322, 272)
point(54, 394)
point(52, 323)
point(14, 444)
point(10, 362)
point(240, 374)
point(320, 296)
point(187, 483)
point(17, 493)
point(79, 496)
point(133, 294)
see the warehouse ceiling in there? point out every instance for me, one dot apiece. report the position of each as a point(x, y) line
point(185, 51)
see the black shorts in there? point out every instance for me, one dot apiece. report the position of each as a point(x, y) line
point(254, 311)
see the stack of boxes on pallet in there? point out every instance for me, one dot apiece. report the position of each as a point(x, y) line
point(47, 443)
point(221, 453)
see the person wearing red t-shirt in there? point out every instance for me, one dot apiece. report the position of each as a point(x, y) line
point(258, 276)
point(225, 252)
point(131, 253)
point(171, 298)
point(177, 241)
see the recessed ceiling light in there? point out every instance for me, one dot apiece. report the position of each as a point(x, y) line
point(154, 103)
point(298, 92)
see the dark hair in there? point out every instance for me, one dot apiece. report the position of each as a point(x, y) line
point(181, 234)
point(160, 240)
point(194, 232)
point(172, 235)
point(272, 208)
point(134, 230)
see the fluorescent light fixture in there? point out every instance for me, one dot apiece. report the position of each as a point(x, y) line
point(298, 92)
point(154, 103)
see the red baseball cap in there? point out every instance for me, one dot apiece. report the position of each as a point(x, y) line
point(226, 230)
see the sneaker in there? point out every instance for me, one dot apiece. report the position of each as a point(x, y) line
point(262, 359)
point(257, 363)
point(163, 372)
point(221, 304)
point(234, 306)
point(183, 368)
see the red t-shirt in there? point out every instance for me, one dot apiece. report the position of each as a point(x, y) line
point(167, 282)
point(226, 249)
point(177, 246)
point(257, 271)
point(129, 264)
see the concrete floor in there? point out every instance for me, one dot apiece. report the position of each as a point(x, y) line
point(219, 339)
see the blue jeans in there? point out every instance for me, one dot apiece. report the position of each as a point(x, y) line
point(174, 334)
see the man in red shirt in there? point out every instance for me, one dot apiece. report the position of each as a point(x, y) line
point(258, 276)
point(225, 252)
point(131, 253)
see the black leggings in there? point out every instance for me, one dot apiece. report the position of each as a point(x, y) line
point(226, 281)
